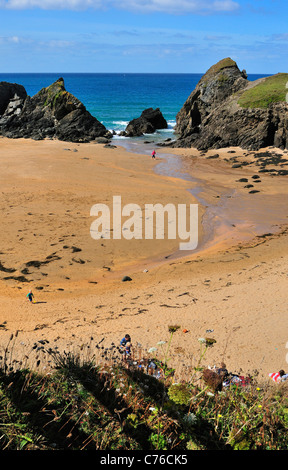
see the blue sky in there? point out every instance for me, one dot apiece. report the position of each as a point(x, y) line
point(184, 36)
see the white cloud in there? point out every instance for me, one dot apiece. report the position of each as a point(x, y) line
point(10, 39)
point(15, 39)
point(50, 4)
point(179, 6)
point(58, 43)
point(144, 6)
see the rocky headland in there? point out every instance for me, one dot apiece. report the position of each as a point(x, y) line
point(227, 110)
point(52, 113)
point(224, 110)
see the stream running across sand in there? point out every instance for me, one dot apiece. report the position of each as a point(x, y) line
point(234, 218)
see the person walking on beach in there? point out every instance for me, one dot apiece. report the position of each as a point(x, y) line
point(153, 154)
point(30, 295)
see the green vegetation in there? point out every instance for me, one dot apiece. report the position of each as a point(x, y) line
point(216, 68)
point(222, 78)
point(271, 90)
point(117, 405)
point(53, 92)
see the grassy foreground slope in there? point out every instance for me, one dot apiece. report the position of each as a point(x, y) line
point(82, 406)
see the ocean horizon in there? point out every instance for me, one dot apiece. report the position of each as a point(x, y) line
point(117, 98)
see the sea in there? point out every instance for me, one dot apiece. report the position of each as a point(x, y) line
point(117, 98)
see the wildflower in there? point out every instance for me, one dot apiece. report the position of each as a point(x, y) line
point(179, 393)
point(207, 341)
point(173, 328)
point(160, 343)
point(201, 340)
point(152, 350)
point(210, 341)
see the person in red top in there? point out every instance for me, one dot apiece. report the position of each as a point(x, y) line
point(153, 154)
point(279, 376)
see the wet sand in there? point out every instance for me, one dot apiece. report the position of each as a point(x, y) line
point(232, 287)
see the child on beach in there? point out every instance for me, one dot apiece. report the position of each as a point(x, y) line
point(126, 345)
point(126, 339)
point(153, 154)
point(30, 295)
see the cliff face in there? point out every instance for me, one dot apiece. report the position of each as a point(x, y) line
point(12, 97)
point(226, 109)
point(53, 112)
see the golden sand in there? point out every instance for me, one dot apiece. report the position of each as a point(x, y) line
point(232, 287)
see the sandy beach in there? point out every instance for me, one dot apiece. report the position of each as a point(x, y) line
point(232, 287)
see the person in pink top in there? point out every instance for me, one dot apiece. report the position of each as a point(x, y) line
point(153, 154)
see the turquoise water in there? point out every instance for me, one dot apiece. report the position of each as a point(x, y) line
point(115, 99)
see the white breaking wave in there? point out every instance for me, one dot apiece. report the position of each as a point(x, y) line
point(120, 123)
point(117, 136)
point(171, 124)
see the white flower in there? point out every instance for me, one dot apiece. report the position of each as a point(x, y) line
point(202, 340)
point(160, 343)
point(152, 350)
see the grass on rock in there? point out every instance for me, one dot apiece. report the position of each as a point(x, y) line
point(270, 90)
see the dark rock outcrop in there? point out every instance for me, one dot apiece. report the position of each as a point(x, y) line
point(12, 97)
point(51, 113)
point(213, 116)
point(149, 121)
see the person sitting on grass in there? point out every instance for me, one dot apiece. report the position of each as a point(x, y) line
point(126, 339)
point(126, 345)
point(278, 376)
